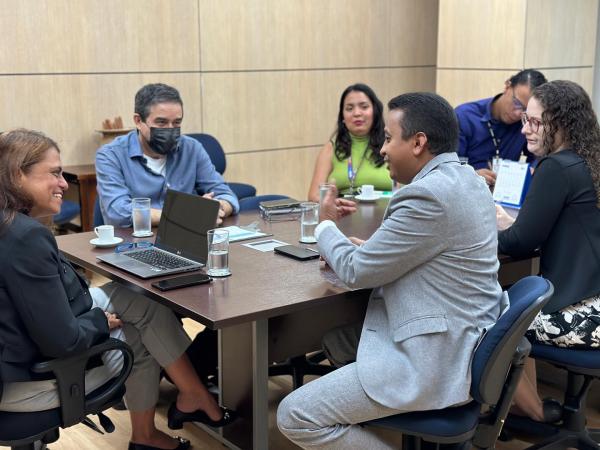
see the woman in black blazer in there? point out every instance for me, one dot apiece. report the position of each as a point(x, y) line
point(561, 218)
point(48, 312)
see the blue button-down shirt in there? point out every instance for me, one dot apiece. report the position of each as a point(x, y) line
point(475, 140)
point(122, 174)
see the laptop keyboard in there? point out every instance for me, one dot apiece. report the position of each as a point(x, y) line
point(159, 259)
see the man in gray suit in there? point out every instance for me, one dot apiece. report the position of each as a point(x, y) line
point(433, 268)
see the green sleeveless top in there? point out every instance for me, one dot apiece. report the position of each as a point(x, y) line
point(366, 171)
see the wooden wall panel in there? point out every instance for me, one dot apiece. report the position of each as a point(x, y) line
point(70, 107)
point(286, 172)
point(459, 86)
point(560, 33)
point(63, 36)
point(267, 110)
point(275, 34)
point(481, 34)
point(583, 76)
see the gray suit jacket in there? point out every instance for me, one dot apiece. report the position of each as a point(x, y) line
point(433, 263)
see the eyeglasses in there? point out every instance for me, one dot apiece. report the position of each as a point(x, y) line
point(516, 102)
point(534, 123)
point(131, 245)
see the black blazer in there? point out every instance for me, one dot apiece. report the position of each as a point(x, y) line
point(560, 217)
point(45, 306)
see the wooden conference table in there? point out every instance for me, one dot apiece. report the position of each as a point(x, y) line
point(272, 307)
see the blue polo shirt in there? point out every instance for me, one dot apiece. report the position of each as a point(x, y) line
point(475, 141)
point(122, 174)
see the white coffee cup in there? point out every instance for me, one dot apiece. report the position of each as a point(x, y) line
point(105, 233)
point(367, 191)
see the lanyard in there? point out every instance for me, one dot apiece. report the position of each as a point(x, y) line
point(351, 173)
point(495, 141)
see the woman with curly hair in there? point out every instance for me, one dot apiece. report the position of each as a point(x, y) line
point(351, 158)
point(561, 217)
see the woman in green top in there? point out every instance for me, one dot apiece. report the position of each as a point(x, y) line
point(351, 158)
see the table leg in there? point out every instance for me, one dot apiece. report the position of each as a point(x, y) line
point(243, 379)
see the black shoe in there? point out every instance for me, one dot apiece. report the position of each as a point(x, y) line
point(183, 445)
point(553, 410)
point(176, 418)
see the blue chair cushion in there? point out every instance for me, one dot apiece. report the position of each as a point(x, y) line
point(68, 211)
point(447, 422)
point(585, 359)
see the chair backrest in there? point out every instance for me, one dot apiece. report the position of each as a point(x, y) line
point(252, 203)
point(98, 218)
point(214, 150)
point(493, 356)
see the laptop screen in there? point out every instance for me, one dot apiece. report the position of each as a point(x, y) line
point(184, 222)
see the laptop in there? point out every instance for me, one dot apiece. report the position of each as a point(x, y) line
point(180, 244)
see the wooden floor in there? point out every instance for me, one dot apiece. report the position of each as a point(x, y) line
point(81, 437)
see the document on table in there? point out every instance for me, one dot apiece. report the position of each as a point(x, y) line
point(512, 183)
point(265, 246)
point(241, 234)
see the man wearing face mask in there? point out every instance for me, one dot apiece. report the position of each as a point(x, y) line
point(154, 158)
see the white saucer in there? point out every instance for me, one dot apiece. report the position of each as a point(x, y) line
point(308, 241)
point(142, 234)
point(362, 198)
point(97, 243)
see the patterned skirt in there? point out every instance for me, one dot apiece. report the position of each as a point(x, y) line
point(575, 326)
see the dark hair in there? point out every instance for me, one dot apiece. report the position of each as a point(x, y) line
point(568, 115)
point(152, 94)
point(530, 77)
point(431, 114)
point(343, 142)
point(20, 150)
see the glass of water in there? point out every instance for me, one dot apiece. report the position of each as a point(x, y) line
point(218, 253)
point(140, 215)
point(308, 222)
point(323, 189)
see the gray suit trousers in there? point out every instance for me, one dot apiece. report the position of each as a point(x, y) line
point(324, 414)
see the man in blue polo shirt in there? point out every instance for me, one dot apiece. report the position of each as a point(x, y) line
point(154, 158)
point(490, 129)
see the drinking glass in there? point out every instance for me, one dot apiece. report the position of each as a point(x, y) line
point(308, 222)
point(323, 189)
point(218, 253)
point(140, 216)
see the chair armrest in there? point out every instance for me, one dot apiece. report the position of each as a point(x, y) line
point(70, 377)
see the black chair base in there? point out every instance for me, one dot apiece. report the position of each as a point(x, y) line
point(572, 431)
point(300, 366)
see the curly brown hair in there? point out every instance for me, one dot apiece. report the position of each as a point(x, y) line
point(20, 150)
point(569, 118)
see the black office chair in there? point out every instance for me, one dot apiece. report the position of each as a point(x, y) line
point(582, 366)
point(21, 430)
point(496, 369)
point(217, 156)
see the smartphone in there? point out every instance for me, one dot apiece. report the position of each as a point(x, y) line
point(181, 282)
point(301, 253)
